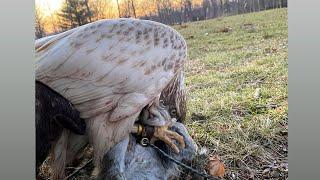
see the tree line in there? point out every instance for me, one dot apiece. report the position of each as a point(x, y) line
point(74, 13)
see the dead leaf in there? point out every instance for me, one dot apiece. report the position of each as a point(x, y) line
point(183, 26)
point(190, 37)
point(215, 166)
point(225, 29)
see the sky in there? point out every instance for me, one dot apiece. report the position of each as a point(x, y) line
point(49, 6)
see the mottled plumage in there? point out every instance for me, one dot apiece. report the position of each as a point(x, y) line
point(111, 70)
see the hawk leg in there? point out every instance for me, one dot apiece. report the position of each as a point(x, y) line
point(157, 115)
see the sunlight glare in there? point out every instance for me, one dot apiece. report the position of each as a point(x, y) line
point(49, 6)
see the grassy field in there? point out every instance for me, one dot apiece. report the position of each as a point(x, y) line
point(236, 76)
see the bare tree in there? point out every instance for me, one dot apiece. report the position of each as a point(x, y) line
point(221, 8)
point(52, 19)
point(39, 23)
point(99, 6)
point(263, 4)
point(126, 7)
point(133, 9)
point(259, 5)
point(238, 6)
point(118, 8)
point(206, 6)
point(90, 14)
point(187, 9)
point(102, 9)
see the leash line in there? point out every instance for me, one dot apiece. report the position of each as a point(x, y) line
point(205, 175)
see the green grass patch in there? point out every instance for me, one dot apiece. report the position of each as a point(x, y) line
point(229, 59)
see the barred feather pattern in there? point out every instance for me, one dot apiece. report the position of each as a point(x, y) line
point(110, 70)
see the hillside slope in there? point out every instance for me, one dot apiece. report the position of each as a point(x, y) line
point(237, 75)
